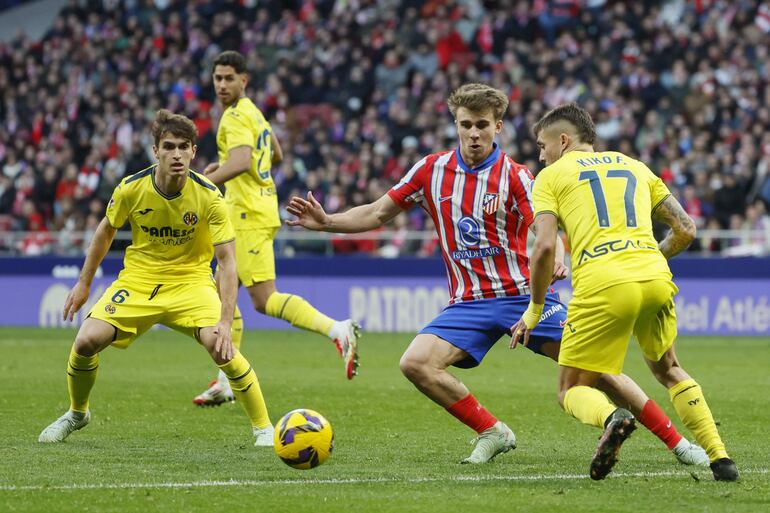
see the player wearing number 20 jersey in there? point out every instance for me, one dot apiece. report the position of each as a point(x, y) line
point(250, 195)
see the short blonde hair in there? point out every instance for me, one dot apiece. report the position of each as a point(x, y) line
point(478, 98)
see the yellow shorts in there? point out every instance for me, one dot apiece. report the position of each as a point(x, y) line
point(599, 327)
point(254, 255)
point(134, 307)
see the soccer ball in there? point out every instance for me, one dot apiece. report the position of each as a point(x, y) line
point(303, 439)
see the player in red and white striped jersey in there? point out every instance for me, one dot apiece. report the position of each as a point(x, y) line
point(480, 202)
point(482, 214)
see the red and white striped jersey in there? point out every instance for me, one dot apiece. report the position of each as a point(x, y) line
point(482, 216)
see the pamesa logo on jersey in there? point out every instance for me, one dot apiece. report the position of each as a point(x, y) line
point(179, 235)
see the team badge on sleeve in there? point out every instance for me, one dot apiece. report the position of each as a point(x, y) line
point(491, 203)
point(190, 218)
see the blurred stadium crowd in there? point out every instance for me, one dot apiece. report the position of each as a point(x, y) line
point(355, 91)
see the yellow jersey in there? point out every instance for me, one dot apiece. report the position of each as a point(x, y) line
point(172, 237)
point(604, 201)
point(251, 195)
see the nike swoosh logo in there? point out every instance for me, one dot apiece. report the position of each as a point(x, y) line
point(669, 424)
point(444, 198)
point(145, 211)
point(254, 251)
point(247, 388)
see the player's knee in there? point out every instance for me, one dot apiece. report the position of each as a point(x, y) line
point(260, 305)
point(86, 344)
point(667, 370)
point(208, 341)
point(669, 375)
point(560, 398)
point(218, 359)
point(413, 369)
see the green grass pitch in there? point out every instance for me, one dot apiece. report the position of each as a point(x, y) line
point(149, 449)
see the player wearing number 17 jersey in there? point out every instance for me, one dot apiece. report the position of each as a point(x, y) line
point(479, 200)
point(606, 201)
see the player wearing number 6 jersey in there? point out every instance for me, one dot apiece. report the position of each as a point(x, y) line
point(606, 201)
point(479, 200)
point(178, 222)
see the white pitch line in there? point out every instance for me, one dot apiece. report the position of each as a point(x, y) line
point(375, 480)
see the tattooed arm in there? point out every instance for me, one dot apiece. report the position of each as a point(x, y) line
point(682, 232)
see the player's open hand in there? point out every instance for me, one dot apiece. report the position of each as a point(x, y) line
point(560, 272)
point(523, 328)
point(75, 300)
point(224, 345)
point(210, 168)
point(520, 333)
point(310, 214)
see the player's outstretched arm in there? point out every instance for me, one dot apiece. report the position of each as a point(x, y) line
point(98, 248)
point(311, 215)
point(682, 231)
point(227, 280)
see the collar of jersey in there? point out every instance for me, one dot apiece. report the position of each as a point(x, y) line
point(157, 189)
point(487, 162)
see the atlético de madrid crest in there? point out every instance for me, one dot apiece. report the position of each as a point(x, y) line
point(491, 203)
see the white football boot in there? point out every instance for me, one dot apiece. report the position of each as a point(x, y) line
point(689, 453)
point(62, 427)
point(347, 346)
point(218, 392)
point(496, 440)
point(264, 436)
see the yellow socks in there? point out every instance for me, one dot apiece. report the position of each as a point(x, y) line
point(690, 404)
point(298, 312)
point(245, 386)
point(237, 328)
point(81, 375)
point(588, 405)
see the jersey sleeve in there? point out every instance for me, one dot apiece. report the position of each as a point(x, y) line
point(658, 190)
point(521, 190)
point(117, 208)
point(237, 130)
point(543, 195)
point(410, 190)
point(220, 227)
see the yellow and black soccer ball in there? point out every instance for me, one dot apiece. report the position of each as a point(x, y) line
point(303, 439)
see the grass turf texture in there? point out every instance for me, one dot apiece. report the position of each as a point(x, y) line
point(149, 449)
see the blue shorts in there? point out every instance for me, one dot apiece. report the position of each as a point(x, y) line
point(475, 326)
